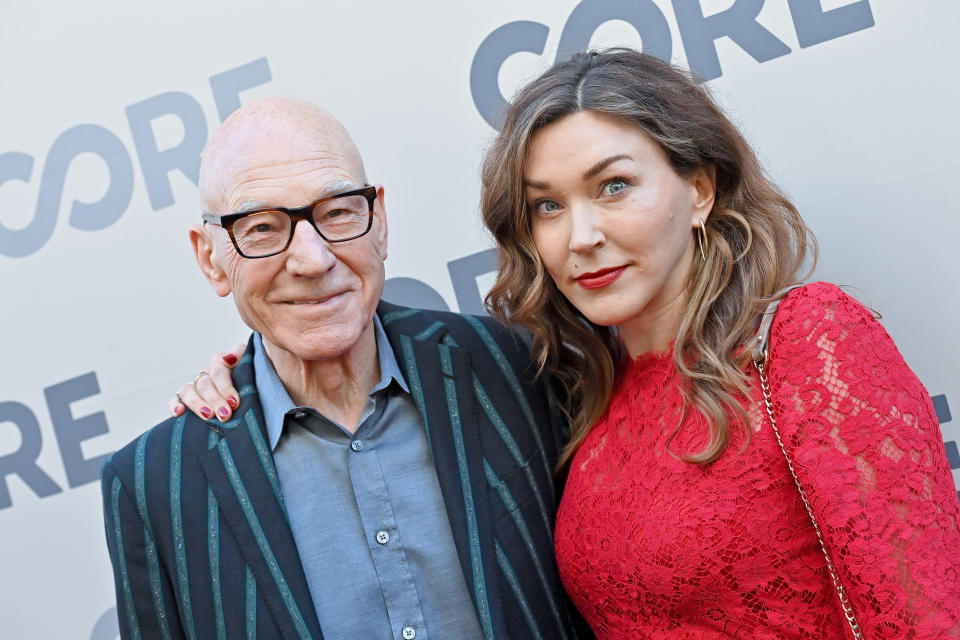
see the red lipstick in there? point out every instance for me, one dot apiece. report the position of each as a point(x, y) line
point(600, 279)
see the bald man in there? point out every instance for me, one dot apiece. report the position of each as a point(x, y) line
point(385, 473)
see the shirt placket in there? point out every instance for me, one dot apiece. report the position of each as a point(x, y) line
point(383, 537)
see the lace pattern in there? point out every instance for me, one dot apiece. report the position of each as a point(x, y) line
point(653, 547)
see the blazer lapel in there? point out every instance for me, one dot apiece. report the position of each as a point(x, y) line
point(440, 377)
point(244, 481)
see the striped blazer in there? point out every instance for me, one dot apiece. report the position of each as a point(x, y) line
point(198, 535)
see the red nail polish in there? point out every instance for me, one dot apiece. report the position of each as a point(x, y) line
point(233, 402)
point(206, 412)
point(223, 412)
point(230, 359)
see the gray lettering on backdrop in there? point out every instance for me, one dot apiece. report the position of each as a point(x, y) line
point(226, 86)
point(644, 15)
point(502, 43)
point(82, 138)
point(700, 33)
point(413, 293)
point(94, 216)
point(463, 275)
point(71, 432)
point(23, 461)
point(107, 626)
point(942, 408)
point(18, 166)
point(156, 164)
point(814, 25)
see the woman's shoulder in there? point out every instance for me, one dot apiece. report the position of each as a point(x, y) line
point(820, 325)
point(820, 297)
point(822, 308)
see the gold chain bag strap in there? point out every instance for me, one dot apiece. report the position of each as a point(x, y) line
point(760, 354)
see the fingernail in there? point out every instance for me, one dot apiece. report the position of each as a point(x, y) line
point(230, 359)
point(206, 412)
point(177, 410)
point(223, 412)
point(233, 402)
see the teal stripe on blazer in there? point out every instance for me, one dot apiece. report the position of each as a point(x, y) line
point(224, 561)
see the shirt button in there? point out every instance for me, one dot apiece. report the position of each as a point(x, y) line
point(383, 537)
point(409, 633)
point(357, 445)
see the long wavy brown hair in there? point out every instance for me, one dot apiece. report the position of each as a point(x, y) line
point(758, 244)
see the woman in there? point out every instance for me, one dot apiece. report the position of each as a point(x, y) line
point(640, 244)
point(644, 224)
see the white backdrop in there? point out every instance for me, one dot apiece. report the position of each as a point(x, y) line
point(105, 106)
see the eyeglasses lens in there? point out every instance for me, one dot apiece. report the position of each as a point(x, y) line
point(262, 233)
point(342, 218)
point(267, 232)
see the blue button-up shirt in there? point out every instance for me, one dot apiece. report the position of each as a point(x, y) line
point(366, 512)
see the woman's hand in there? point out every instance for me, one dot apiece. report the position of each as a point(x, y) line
point(212, 392)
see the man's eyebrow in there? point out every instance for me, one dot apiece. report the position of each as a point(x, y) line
point(337, 187)
point(251, 205)
point(603, 164)
point(329, 190)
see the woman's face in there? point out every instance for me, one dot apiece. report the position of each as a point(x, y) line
point(613, 223)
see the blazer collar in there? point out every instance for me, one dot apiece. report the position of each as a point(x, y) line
point(441, 380)
point(243, 478)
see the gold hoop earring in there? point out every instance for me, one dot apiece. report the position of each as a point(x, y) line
point(702, 241)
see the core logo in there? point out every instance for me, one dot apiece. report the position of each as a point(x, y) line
point(698, 32)
point(155, 164)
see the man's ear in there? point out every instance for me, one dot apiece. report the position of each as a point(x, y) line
point(205, 251)
point(380, 215)
point(704, 183)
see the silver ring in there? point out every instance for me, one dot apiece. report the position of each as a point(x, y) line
point(199, 375)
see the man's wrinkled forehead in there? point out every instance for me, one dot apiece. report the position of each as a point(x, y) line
point(279, 131)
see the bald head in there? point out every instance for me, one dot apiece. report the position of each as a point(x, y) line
point(314, 299)
point(270, 131)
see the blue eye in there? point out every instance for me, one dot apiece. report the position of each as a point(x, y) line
point(546, 207)
point(613, 187)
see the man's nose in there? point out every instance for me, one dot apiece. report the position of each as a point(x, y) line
point(586, 230)
point(309, 254)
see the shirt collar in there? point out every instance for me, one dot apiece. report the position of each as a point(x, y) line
point(275, 400)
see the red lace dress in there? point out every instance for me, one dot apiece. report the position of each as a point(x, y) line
point(652, 547)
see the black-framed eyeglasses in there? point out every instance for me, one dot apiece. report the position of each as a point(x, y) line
point(267, 232)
